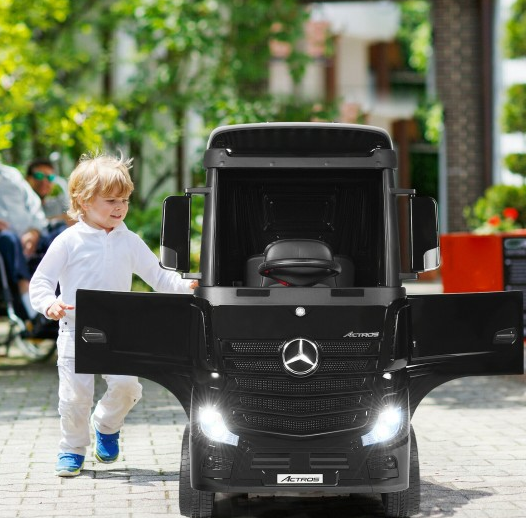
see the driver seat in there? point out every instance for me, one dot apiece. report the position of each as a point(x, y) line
point(298, 249)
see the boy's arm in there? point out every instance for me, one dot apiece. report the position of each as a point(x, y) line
point(148, 268)
point(43, 284)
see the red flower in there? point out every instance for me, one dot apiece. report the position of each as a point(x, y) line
point(494, 221)
point(510, 213)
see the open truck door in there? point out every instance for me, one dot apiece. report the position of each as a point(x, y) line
point(153, 335)
point(464, 334)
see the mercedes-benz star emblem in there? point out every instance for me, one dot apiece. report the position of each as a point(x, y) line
point(300, 356)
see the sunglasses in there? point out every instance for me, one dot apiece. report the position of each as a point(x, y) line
point(39, 175)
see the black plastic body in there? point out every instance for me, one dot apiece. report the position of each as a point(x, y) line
point(224, 345)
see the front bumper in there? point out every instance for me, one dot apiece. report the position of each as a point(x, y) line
point(332, 465)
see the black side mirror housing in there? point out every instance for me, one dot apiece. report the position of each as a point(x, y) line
point(425, 245)
point(175, 233)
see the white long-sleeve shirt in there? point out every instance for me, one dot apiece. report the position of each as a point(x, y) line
point(88, 258)
point(20, 206)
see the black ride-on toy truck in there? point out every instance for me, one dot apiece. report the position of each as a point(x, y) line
point(300, 358)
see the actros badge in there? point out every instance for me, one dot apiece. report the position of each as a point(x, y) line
point(300, 356)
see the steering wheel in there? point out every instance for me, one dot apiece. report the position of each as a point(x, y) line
point(299, 272)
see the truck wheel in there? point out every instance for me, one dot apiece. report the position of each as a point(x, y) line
point(202, 504)
point(185, 489)
point(192, 503)
point(406, 503)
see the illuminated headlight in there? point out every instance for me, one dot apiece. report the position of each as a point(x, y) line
point(387, 425)
point(213, 426)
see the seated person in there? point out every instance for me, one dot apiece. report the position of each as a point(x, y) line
point(51, 190)
point(22, 226)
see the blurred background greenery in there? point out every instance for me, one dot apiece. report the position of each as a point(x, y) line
point(63, 91)
point(134, 75)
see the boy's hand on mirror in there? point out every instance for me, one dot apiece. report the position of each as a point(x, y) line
point(194, 284)
point(58, 309)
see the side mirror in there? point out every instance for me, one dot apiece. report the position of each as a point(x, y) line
point(425, 246)
point(175, 233)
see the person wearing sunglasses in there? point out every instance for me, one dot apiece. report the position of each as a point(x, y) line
point(51, 191)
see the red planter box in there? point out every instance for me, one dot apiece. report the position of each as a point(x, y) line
point(471, 262)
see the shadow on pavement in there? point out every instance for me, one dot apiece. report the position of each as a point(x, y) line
point(239, 506)
point(437, 500)
point(442, 501)
point(132, 476)
point(479, 392)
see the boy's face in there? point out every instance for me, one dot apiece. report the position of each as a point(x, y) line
point(105, 212)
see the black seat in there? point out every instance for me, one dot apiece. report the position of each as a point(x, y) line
point(298, 262)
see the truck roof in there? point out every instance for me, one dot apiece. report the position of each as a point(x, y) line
point(299, 139)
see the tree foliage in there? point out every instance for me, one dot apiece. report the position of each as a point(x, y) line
point(67, 85)
point(514, 109)
point(516, 163)
point(414, 34)
point(43, 62)
point(514, 40)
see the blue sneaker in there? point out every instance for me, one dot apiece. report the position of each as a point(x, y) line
point(107, 448)
point(69, 464)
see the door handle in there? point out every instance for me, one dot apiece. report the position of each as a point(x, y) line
point(93, 336)
point(505, 336)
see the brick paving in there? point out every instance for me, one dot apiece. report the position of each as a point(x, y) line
point(471, 435)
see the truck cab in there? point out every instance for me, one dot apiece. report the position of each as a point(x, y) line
point(300, 358)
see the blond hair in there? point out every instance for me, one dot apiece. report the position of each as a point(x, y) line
point(98, 174)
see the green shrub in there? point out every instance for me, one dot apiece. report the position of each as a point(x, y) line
point(502, 208)
point(516, 163)
point(514, 110)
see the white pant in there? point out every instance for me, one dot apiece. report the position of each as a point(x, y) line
point(76, 400)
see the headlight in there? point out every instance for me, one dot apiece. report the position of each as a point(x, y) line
point(387, 425)
point(213, 426)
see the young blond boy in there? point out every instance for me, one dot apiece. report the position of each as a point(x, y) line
point(98, 252)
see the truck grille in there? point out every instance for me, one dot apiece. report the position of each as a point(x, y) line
point(304, 426)
point(338, 396)
point(302, 406)
point(310, 387)
point(271, 347)
point(274, 365)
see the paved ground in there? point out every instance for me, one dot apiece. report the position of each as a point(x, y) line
point(471, 435)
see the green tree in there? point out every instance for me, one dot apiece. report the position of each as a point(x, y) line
point(414, 34)
point(62, 89)
point(514, 110)
point(514, 40)
point(247, 54)
point(516, 163)
point(42, 62)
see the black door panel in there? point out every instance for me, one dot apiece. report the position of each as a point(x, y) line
point(153, 335)
point(468, 324)
point(464, 334)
